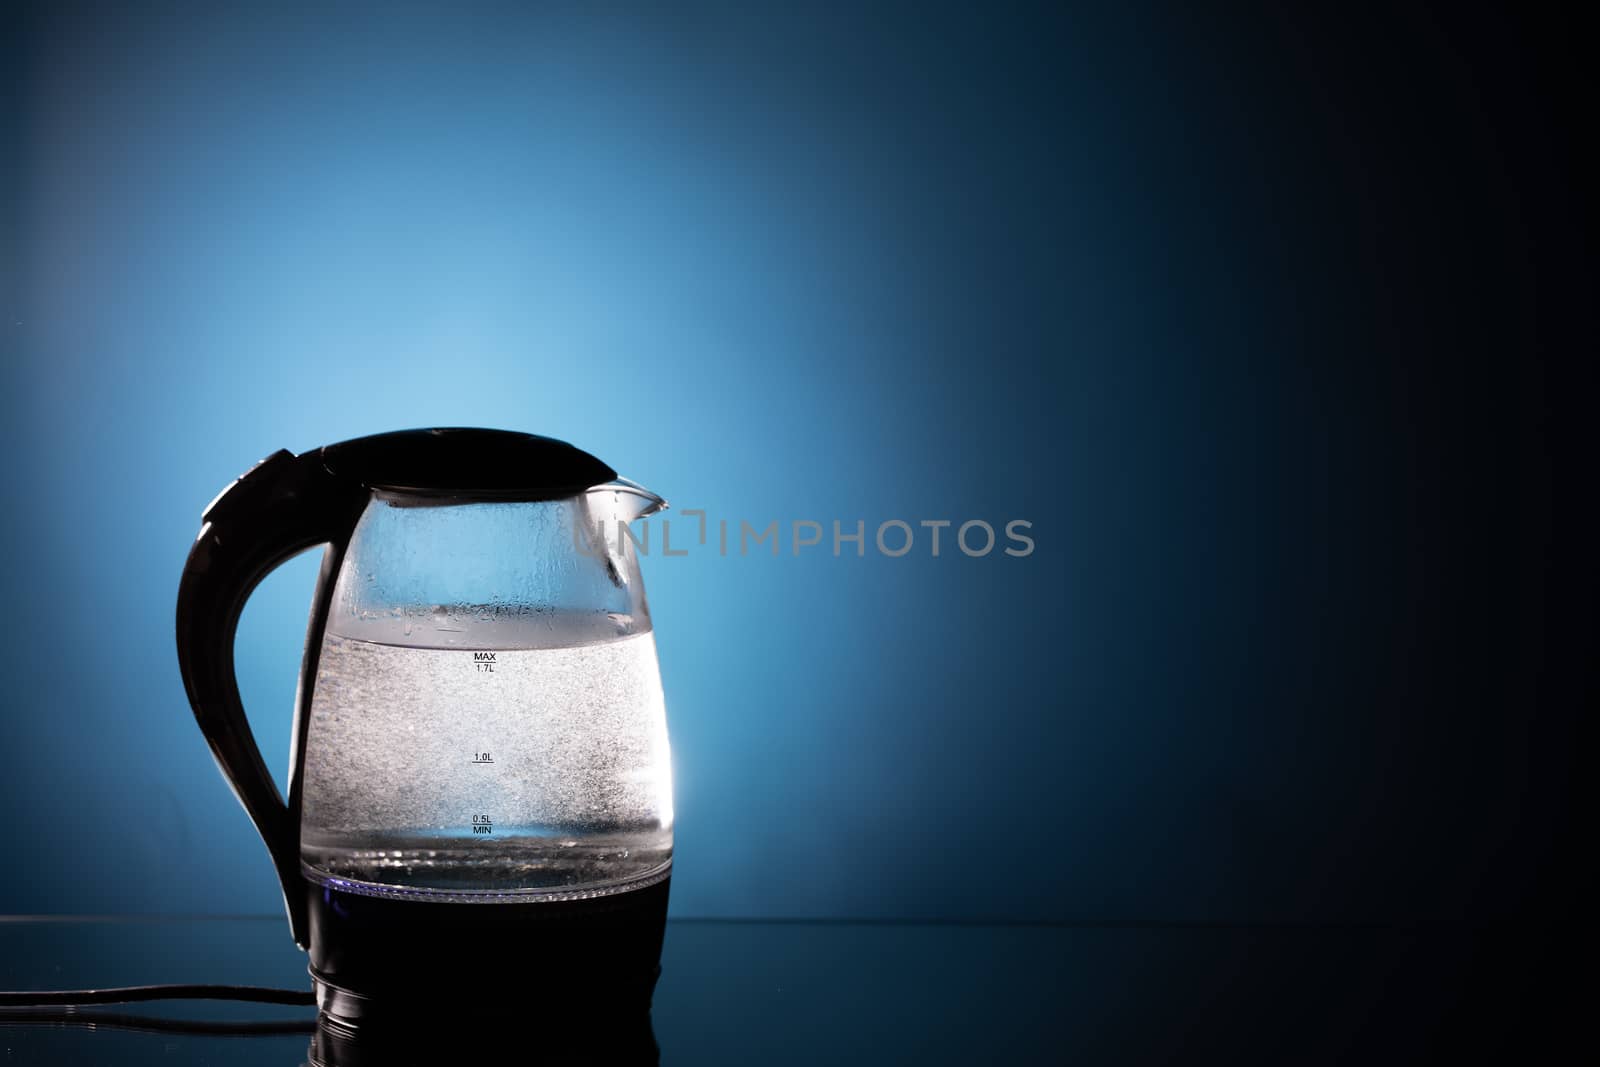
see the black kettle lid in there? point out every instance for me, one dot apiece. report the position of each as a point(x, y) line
point(462, 461)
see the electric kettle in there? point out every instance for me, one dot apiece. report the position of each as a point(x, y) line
point(480, 783)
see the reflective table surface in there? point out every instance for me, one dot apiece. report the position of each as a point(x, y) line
point(830, 993)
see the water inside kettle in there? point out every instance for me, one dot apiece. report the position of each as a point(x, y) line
point(538, 768)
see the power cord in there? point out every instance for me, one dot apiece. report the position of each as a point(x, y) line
point(133, 994)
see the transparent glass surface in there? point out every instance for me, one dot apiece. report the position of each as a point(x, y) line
point(487, 721)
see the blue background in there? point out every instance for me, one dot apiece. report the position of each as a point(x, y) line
point(1181, 292)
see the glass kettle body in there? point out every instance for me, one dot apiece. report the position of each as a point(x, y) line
point(480, 717)
point(487, 717)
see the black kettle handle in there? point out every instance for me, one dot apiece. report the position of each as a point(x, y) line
point(281, 507)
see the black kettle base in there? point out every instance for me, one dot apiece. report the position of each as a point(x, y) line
point(414, 970)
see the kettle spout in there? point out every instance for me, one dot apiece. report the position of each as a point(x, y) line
point(628, 499)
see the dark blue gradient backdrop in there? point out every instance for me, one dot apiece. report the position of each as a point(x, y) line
point(1234, 312)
